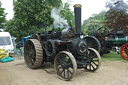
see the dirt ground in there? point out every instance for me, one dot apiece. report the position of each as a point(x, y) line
point(17, 73)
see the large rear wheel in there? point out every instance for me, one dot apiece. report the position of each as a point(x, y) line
point(93, 42)
point(65, 65)
point(33, 53)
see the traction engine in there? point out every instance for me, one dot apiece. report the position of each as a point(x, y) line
point(65, 49)
point(107, 41)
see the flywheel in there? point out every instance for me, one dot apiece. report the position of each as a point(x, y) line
point(50, 48)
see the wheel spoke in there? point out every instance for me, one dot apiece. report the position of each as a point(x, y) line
point(27, 58)
point(94, 63)
point(30, 64)
point(93, 46)
point(61, 71)
point(94, 56)
point(27, 51)
point(33, 50)
point(68, 73)
point(28, 45)
point(60, 61)
point(126, 47)
point(90, 43)
point(31, 47)
point(96, 60)
point(32, 61)
point(64, 73)
point(92, 66)
point(93, 43)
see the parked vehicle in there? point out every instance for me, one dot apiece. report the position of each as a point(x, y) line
point(107, 41)
point(6, 41)
point(65, 49)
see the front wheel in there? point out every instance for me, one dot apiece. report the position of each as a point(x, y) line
point(124, 51)
point(65, 65)
point(94, 60)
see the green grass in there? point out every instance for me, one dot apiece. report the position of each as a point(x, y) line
point(112, 56)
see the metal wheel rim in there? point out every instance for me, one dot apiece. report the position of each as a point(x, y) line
point(124, 51)
point(33, 53)
point(63, 68)
point(94, 60)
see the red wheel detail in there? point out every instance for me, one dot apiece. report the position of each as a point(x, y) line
point(124, 51)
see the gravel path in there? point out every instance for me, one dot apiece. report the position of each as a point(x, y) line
point(17, 73)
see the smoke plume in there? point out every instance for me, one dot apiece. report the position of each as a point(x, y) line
point(58, 21)
point(117, 5)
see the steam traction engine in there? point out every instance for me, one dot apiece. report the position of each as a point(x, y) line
point(107, 41)
point(64, 48)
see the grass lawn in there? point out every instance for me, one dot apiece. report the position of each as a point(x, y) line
point(112, 56)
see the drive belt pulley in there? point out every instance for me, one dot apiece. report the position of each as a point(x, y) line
point(50, 48)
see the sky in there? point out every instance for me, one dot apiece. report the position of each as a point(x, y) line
point(8, 5)
point(89, 7)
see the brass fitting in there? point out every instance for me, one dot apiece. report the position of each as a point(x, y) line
point(77, 5)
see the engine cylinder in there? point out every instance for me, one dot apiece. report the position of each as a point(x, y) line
point(67, 32)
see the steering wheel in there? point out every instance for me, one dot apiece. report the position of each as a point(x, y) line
point(103, 32)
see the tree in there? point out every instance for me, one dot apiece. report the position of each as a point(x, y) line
point(116, 17)
point(116, 20)
point(32, 15)
point(68, 14)
point(2, 17)
point(93, 22)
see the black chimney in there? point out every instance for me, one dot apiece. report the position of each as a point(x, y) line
point(77, 11)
